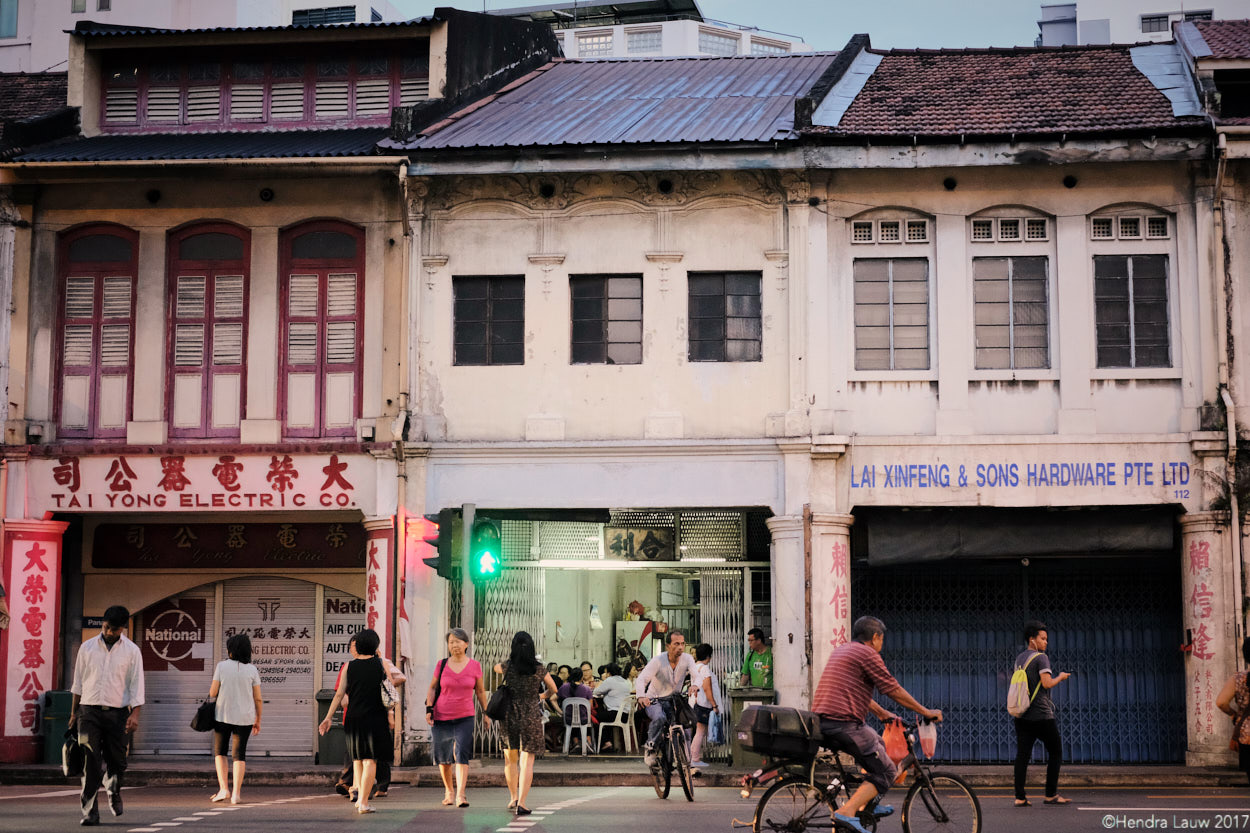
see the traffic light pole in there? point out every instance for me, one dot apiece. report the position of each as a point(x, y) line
point(466, 582)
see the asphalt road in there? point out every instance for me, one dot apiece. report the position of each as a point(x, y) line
point(580, 810)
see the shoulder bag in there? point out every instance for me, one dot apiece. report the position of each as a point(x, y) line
point(205, 718)
point(500, 700)
point(438, 688)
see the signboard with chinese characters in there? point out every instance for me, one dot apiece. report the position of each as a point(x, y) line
point(640, 544)
point(32, 582)
point(228, 545)
point(213, 482)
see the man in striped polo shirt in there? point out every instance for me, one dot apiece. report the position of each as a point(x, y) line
point(843, 699)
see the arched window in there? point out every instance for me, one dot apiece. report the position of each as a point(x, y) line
point(207, 342)
point(322, 316)
point(95, 376)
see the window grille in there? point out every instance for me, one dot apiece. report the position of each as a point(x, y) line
point(1131, 310)
point(644, 42)
point(644, 518)
point(861, 232)
point(570, 541)
point(1156, 227)
point(1101, 228)
point(516, 540)
point(1192, 16)
point(321, 17)
point(1035, 229)
point(888, 231)
point(917, 231)
point(982, 229)
point(1009, 229)
point(1130, 228)
point(891, 314)
point(606, 319)
point(598, 45)
point(714, 43)
point(489, 320)
point(725, 317)
point(710, 534)
point(1011, 312)
point(1154, 23)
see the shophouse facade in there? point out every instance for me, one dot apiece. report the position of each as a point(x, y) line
point(962, 355)
point(205, 355)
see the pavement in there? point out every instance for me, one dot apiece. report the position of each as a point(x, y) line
point(556, 770)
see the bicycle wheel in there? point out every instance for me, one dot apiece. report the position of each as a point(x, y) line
point(949, 806)
point(681, 763)
point(792, 805)
point(662, 772)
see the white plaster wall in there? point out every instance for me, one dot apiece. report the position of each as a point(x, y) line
point(1014, 407)
point(1125, 15)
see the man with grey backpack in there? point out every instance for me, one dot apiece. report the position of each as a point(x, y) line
point(1037, 721)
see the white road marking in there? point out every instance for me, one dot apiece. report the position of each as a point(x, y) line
point(209, 813)
point(54, 794)
point(187, 818)
point(144, 830)
point(167, 824)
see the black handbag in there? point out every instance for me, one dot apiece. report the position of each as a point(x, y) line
point(500, 700)
point(438, 689)
point(71, 755)
point(205, 719)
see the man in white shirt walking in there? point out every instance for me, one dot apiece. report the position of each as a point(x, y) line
point(662, 678)
point(108, 692)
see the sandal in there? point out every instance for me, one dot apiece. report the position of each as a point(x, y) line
point(1023, 802)
point(512, 804)
point(1057, 799)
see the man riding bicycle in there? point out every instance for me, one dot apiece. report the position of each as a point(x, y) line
point(657, 682)
point(844, 697)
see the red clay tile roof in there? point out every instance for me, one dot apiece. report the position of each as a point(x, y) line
point(24, 95)
point(1000, 92)
point(1226, 38)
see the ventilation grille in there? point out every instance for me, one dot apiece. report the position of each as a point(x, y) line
point(861, 232)
point(412, 90)
point(982, 229)
point(247, 102)
point(516, 537)
point(889, 232)
point(164, 104)
point(711, 534)
point(286, 101)
point(331, 99)
point(1157, 227)
point(203, 104)
point(121, 106)
point(1035, 229)
point(569, 541)
point(373, 97)
point(644, 518)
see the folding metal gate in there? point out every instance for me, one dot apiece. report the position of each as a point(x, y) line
point(720, 624)
point(513, 602)
point(1115, 623)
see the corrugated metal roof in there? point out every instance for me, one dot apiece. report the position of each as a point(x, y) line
point(292, 144)
point(100, 30)
point(740, 99)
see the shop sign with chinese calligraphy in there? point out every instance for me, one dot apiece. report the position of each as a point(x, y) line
point(228, 545)
point(182, 483)
point(32, 587)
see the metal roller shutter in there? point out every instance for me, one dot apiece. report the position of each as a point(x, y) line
point(177, 672)
point(279, 614)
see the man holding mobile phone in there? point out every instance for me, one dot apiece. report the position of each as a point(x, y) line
point(1038, 723)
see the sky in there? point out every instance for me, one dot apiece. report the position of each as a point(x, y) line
point(829, 24)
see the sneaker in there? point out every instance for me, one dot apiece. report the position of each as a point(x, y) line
point(841, 822)
point(882, 810)
point(699, 763)
point(649, 757)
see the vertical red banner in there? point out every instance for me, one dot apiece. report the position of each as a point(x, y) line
point(380, 580)
point(29, 646)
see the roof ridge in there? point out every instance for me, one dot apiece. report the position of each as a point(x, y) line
point(643, 59)
point(1016, 50)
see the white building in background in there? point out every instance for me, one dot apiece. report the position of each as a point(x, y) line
point(33, 32)
point(651, 29)
point(1127, 21)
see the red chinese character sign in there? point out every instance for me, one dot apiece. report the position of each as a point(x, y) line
point(203, 482)
point(380, 580)
point(831, 586)
point(1208, 643)
point(32, 583)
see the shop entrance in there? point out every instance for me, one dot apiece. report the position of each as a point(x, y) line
point(577, 588)
point(954, 629)
point(298, 631)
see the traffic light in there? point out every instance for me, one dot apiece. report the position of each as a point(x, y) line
point(444, 562)
point(486, 551)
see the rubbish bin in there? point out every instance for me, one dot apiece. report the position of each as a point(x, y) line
point(739, 700)
point(56, 711)
point(332, 746)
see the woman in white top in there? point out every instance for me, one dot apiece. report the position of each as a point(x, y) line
point(236, 685)
point(703, 684)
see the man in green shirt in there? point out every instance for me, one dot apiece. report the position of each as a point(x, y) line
point(757, 669)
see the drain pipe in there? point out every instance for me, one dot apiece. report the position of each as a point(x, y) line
point(1224, 319)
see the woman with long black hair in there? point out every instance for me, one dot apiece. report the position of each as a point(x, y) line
point(521, 729)
point(368, 732)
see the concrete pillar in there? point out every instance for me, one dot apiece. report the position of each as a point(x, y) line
point(790, 670)
point(1210, 660)
point(831, 587)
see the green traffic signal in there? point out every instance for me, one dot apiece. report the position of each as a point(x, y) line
point(485, 552)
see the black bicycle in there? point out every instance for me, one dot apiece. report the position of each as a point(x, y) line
point(805, 791)
point(673, 753)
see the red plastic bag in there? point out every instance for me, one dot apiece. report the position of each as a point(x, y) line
point(895, 741)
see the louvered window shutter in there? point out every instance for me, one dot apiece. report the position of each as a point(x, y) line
point(412, 90)
point(302, 335)
point(79, 297)
point(189, 345)
point(190, 297)
point(121, 105)
point(227, 344)
point(203, 104)
point(115, 345)
point(228, 296)
point(331, 100)
point(247, 102)
point(373, 97)
point(164, 104)
point(117, 297)
point(286, 102)
point(78, 344)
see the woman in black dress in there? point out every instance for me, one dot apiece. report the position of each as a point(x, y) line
point(365, 724)
point(521, 729)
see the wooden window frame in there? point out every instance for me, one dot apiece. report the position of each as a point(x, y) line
point(489, 320)
point(892, 303)
point(210, 269)
point(98, 270)
point(323, 268)
point(605, 317)
point(1011, 304)
point(725, 316)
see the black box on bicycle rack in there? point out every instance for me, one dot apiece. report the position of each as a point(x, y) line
point(779, 731)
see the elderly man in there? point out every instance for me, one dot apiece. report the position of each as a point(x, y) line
point(658, 681)
point(108, 693)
